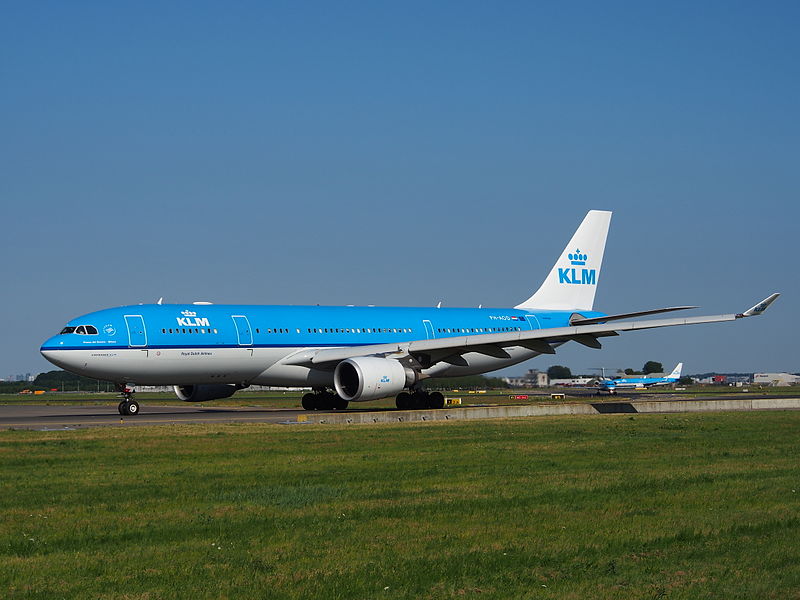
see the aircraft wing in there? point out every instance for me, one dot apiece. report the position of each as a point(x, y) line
point(450, 349)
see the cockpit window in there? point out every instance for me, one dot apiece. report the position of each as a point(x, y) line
point(84, 330)
point(67, 330)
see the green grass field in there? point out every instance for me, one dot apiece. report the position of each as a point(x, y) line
point(679, 506)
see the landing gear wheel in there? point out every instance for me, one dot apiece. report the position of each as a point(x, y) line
point(128, 406)
point(339, 403)
point(404, 401)
point(436, 400)
point(309, 402)
point(419, 399)
point(326, 401)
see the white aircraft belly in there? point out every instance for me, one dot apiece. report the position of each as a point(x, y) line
point(171, 366)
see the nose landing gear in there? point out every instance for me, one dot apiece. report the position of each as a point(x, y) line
point(128, 406)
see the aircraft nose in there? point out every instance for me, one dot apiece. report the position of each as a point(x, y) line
point(53, 351)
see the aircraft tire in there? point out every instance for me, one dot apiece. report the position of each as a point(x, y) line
point(131, 408)
point(404, 401)
point(419, 399)
point(435, 400)
point(309, 402)
point(339, 403)
point(121, 408)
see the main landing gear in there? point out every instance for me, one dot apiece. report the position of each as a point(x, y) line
point(128, 406)
point(323, 400)
point(419, 399)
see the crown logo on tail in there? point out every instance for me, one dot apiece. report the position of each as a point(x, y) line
point(576, 258)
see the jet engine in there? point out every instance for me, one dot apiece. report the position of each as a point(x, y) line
point(369, 378)
point(201, 393)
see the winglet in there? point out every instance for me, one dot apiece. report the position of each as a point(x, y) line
point(760, 307)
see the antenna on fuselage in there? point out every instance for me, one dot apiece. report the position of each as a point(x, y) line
point(439, 305)
point(160, 300)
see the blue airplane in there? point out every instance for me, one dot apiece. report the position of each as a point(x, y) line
point(610, 386)
point(348, 353)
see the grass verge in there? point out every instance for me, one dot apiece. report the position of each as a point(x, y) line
point(651, 506)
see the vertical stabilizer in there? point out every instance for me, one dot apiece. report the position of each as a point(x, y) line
point(676, 372)
point(572, 282)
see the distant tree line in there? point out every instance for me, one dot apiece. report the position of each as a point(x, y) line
point(63, 381)
point(468, 382)
point(562, 372)
point(70, 382)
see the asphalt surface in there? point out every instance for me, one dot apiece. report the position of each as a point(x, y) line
point(69, 416)
point(55, 417)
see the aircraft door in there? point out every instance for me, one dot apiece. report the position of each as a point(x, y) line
point(428, 329)
point(137, 334)
point(533, 322)
point(243, 331)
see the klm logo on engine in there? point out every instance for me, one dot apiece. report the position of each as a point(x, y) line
point(575, 276)
point(385, 379)
point(190, 319)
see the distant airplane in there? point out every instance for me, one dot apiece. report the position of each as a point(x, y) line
point(348, 353)
point(610, 386)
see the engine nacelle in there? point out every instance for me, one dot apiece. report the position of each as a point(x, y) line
point(201, 393)
point(369, 378)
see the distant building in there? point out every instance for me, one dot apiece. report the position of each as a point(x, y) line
point(574, 381)
point(533, 378)
point(776, 379)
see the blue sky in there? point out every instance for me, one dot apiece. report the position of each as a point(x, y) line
point(403, 153)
